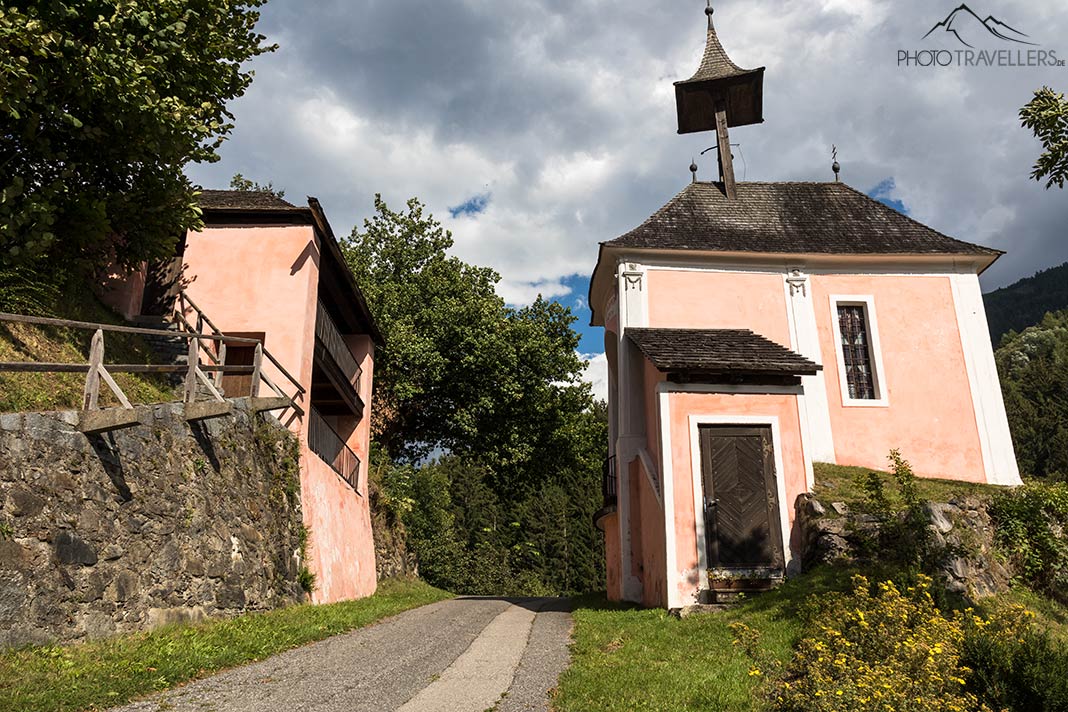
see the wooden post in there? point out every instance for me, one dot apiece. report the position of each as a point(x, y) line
point(221, 353)
point(257, 364)
point(191, 372)
point(92, 379)
point(726, 161)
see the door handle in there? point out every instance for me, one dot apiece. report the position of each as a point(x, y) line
point(712, 503)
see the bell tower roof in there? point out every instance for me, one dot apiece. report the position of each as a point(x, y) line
point(719, 81)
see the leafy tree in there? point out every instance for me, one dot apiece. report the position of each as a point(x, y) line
point(1033, 366)
point(1047, 116)
point(240, 182)
point(509, 509)
point(102, 103)
point(461, 371)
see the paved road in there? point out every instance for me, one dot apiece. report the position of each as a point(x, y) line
point(463, 655)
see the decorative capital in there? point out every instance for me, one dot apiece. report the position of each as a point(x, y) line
point(798, 283)
point(632, 277)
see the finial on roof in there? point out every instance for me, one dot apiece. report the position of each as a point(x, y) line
point(835, 166)
point(693, 169)
point(708, 12)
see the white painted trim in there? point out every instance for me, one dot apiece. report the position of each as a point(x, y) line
point(731, 388)
point(672, 580)
point(622, 475)
point(999, 456)
point(696, 421)
point(652, 476)
point(813, 263)
point(878, 373)
point(804, 339)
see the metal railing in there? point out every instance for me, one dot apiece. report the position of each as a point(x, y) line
point(609, 480)
point(215, 350)
point(328, 445)
point(334, 343)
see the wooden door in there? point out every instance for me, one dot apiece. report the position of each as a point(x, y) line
point(741, 503)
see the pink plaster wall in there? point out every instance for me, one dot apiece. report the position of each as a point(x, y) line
point(719, 300)
point(654, 591)
point(363, 350)
point(612, 558)
point(265, 279)
point(123, 290)
point(341, 549)
point(682, 406)
point(930, 416)
point(259, 279)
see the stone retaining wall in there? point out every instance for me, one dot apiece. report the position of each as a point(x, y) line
point(961, 545)
point(163, 522)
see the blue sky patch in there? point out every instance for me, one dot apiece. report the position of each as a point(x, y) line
point(592, 336)
point(471, 206)
point(882, 193)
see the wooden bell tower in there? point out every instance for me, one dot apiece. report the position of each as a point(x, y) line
point(719, 96)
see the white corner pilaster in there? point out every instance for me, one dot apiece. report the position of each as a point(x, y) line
point(633, 302)
point(999, 456)
point(804, 339)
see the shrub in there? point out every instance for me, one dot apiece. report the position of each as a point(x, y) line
point(903, 536)
point(1031, 522)
point(881, 650)
point(1014, 666)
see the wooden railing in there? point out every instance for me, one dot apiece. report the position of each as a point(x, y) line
point(331, 448)
point(334, 343)
point(96, 370)
point(215, 349)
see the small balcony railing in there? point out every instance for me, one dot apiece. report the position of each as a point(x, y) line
point(328, 445)
point(327, 334)
point(609, 481)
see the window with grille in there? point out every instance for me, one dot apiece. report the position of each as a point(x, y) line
point(857, 351)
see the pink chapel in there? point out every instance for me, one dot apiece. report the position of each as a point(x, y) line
point(752, 329)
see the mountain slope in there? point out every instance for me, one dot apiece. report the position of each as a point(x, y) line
point(1024, 303)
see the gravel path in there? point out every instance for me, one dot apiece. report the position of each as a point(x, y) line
point(454, 656)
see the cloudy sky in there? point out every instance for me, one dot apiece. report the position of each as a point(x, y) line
point(536, 129)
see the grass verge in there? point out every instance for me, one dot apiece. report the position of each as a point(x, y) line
point(627, 659)
point(841, 483)
point(57, 391)
point(101, 674)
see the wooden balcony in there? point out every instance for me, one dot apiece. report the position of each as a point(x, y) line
point(336, 377)
point(609, 490)
point(331, 449)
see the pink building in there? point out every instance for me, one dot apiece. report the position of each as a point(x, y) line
point(752, 329)
point(266, 269)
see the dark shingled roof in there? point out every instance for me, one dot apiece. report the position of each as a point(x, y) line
point(788, 218)
point(719, 351)
point(242, 200)
point(716, 64)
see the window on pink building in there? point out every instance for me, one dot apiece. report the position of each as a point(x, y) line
point(856, 351)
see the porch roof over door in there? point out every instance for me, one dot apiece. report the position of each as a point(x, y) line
point(729, 352)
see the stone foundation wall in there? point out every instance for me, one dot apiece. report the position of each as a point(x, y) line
point(962, 541)
point(163, 522)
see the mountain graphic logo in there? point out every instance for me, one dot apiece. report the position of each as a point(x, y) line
point(963, 23)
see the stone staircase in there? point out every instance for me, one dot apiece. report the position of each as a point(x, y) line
point(170, 349)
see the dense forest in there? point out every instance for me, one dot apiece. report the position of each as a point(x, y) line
point(488, 444)
point(1033, 365)
point(1024, 303)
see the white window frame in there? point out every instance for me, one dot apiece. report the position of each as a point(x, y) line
point(867, 301)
